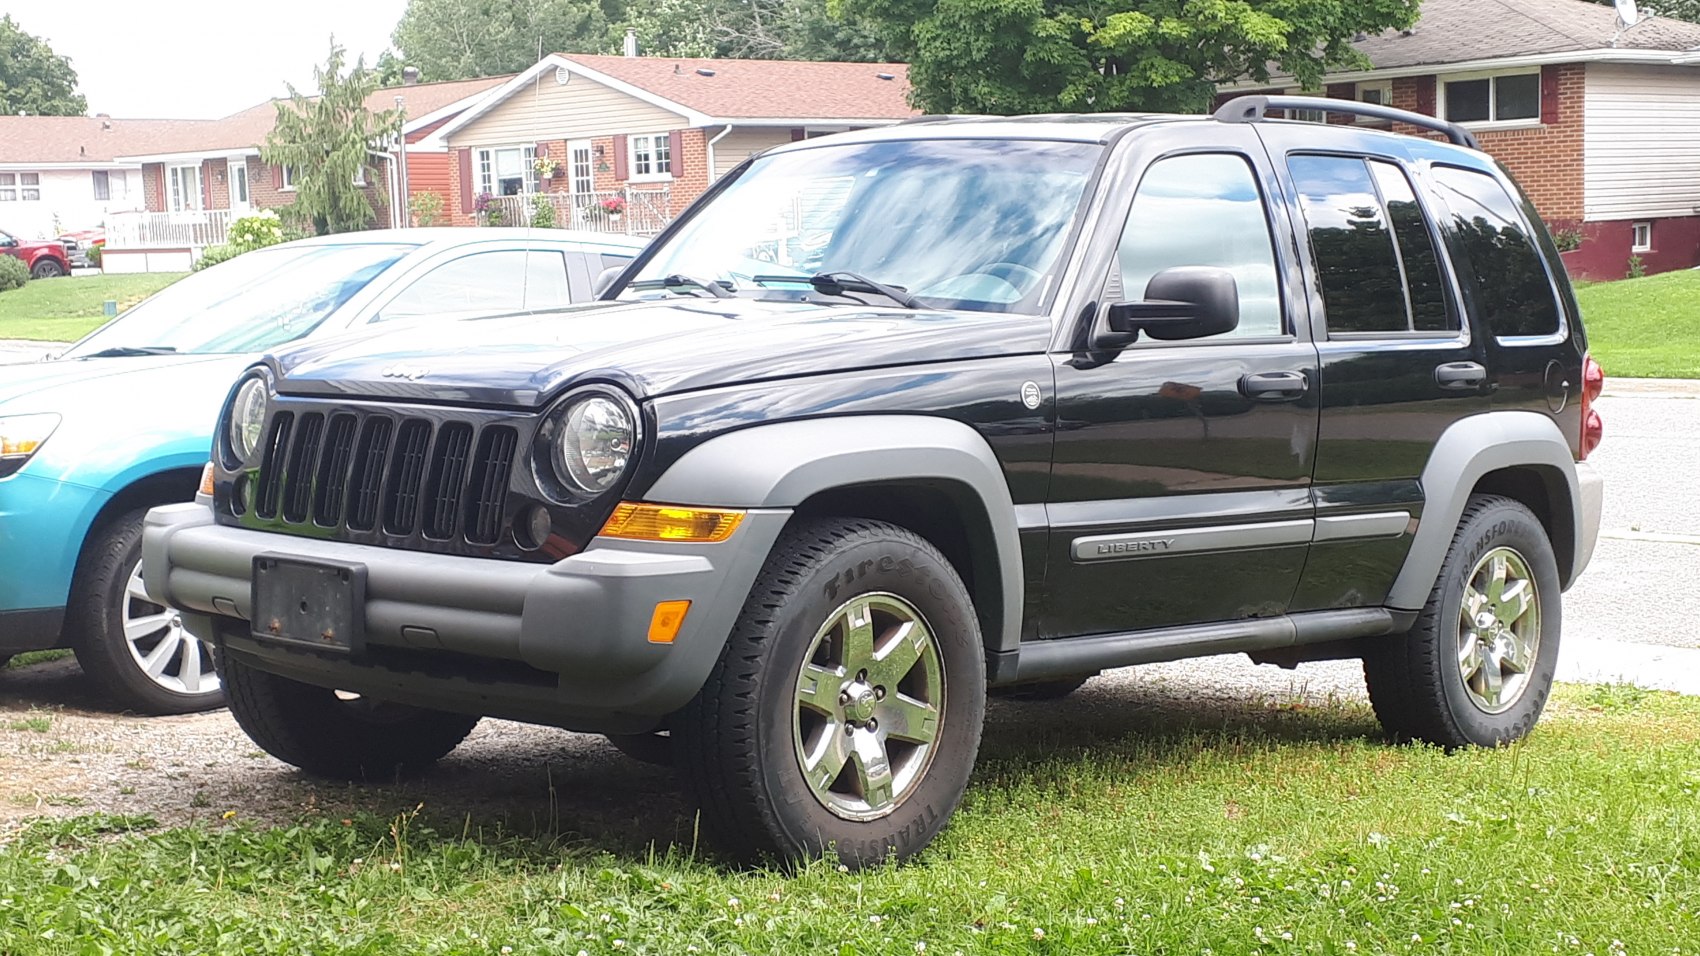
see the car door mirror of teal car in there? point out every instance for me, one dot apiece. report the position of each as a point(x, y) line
point(1186, 302)
point(606, 278)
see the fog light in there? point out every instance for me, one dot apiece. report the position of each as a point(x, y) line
point(532, 527)
point(647, 522)
point(664, 624)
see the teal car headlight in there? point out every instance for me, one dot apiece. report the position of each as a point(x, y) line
point(21, 436)
point(247, 419)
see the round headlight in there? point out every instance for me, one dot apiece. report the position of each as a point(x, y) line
point(596, 440)
point(248, 419)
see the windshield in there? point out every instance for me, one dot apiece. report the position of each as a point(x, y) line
point(964, 224)
point(256, 301)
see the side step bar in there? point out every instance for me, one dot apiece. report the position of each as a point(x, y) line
point(1063, 657)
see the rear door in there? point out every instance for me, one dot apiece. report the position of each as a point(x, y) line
point(1180, 488)
point(1399, 362)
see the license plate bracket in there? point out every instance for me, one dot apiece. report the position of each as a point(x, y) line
point(309, 602)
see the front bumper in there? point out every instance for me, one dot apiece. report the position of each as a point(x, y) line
point(1591, 488)
point(42, 524)
point(564, 644)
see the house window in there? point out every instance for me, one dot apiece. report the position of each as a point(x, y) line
point(184, 183)
point(507, 171)
point(651, 155)
point(102, 184)
point(1493, 99)
point(1305, 116)
point(8, 187)
point(20, 186)
point(1378, 93)
point(285, 178)
point(1642, 239)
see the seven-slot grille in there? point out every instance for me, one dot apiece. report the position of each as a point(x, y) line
point(401, 475)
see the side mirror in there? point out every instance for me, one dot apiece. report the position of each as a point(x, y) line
point(8, 242)
point(604, 279)
point(1186, 302)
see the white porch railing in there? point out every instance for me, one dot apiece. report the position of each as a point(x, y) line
point(634, 212)
point(194, 229)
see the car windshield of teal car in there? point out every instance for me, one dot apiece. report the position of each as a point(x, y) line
point(251, 303)
point(941, 223)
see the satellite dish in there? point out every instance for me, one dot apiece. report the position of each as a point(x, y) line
point(1627, 13)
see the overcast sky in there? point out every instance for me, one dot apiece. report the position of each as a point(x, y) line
point(196, 59)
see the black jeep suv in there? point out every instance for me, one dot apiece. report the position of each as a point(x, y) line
point(894, 417)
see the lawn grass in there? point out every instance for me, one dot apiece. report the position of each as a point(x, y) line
point(1260, 830)
point(64, 310)
point(1645, 328)
point(28, 658)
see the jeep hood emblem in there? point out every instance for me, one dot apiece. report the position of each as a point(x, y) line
point(412, 373)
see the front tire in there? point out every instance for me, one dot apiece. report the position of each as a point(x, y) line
point(844, 713)
point(1477, 667)
point(330, 735)
point(136, 650)
point(47, 269)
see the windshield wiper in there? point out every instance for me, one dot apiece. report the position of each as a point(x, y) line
point(127, 351)
point(838, 283)
point(677, 281)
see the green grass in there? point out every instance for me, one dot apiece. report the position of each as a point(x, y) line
point(64, 310)
point(1645, 328)
point(1260, 830)
point(28, 658)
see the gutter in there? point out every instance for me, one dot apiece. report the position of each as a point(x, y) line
point(1602, 55)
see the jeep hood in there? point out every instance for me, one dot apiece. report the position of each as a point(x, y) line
point(651, 348)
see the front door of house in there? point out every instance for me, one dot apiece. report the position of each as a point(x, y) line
point(579, 167)
point(238, 180)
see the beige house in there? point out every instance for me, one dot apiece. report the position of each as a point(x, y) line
point(626, 142)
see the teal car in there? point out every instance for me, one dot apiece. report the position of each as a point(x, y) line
point(123, 420)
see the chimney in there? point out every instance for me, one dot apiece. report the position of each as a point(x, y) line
point(409, 76)
point(631, 42)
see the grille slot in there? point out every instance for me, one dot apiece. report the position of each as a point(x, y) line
point(303, 464)
point(333, 471)
point(363, 486)
point(449, 460)
point(401, 497)
point(492, 467)
point(271, 466)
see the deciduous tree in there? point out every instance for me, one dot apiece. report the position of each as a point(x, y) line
point(34, 79)
point(458, 39)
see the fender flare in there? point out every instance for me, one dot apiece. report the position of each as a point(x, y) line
point(781, 465)
point(1467, 450)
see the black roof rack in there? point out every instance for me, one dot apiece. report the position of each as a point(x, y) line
point(1250, 109)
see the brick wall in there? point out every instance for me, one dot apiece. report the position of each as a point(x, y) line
point(263, 186)
point(690, 174)
point(215, 184)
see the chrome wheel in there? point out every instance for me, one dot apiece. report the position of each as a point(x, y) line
point(869, 700)
point(1499, 630)
point(168, 655)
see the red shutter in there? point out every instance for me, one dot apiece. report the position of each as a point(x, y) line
point(1425, 89)
point(796, 135)
point(676, 151)
point(1549, 95)
point(622, 169)
point(466, 197)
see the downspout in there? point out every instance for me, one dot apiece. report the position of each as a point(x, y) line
point(712, 175)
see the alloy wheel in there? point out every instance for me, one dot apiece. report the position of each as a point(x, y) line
point(1499, 630)
point(170, 656)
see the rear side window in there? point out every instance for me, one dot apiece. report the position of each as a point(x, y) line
point(488, 283)
point(1375, 254)
point(1508, 285)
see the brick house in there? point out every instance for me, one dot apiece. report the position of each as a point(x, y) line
point(195, 181)
point(1598, 122)
point(646, 135)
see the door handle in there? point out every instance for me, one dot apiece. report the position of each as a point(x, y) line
point(1275, 386)
point(1460, 375)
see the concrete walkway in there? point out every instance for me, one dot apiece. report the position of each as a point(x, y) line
point(1589, 660)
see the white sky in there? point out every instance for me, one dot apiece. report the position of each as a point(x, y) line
point(193, 59)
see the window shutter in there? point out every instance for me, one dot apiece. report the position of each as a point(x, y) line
point(466, 198)
point(676, 152)
point(622, 168)
point(1549, 95)
point(1426, 95)
point(797, 135)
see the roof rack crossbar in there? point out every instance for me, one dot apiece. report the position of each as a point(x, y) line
point(1250, 109)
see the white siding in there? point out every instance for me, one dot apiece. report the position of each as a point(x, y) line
point(1641, 142)
point(67, 202)
point(741, 144)
point(547, 110)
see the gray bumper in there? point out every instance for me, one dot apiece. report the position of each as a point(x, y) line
point(1591, 490)
point(581, 622)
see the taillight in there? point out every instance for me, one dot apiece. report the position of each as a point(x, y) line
point(1593, 428)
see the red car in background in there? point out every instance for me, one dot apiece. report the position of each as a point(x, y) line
point(45, 257)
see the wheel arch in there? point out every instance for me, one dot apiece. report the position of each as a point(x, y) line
point(1519, 454)
point(168, 485)
point(901, 468)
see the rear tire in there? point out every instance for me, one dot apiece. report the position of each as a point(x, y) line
point(1477, 667)
point(844, 713)
point(326, 735)
point(47, 269)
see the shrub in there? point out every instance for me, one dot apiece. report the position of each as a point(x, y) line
point(94, 256)
point(264, 228)
point(1567, 240)
point(427, 208)
point(213, 255)
point(1637, 268)
point(13, 273)
point(542, 213)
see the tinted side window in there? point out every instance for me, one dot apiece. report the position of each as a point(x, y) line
point(1415, 242)
point(1204, 210)
point(486, 282)
point(1508, 285)
point(1356, 262)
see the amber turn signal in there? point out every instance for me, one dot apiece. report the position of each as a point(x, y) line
point(207, 479)
point(646, 522)
point(664, 624)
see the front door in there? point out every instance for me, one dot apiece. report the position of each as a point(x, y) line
point(1180, 490)
point(238, 180)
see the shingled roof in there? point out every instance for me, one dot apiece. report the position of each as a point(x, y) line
point(745, 89)
point(94, 140)
point(1463, 31)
